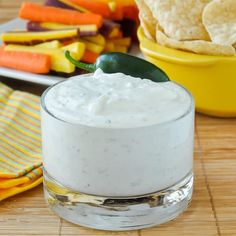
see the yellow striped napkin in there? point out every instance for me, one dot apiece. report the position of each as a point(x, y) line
point(20, 142)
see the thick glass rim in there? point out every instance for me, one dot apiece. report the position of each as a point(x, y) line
point(44, 107)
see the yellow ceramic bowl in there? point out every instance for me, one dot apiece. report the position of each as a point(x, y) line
point(211, 79)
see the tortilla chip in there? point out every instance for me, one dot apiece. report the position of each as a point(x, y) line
point(196, 46)
point(219, 18)
point(181, 19)
point(148, 31)
point(147, 21)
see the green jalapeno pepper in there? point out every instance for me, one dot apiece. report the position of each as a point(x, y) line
point(114, 62)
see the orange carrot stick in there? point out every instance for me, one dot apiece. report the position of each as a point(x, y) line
point(94, 6)
point(118, 14)
point(25, 61)
point(130, 12)
point(38, 13)
point(89, 57)
point(68, 41)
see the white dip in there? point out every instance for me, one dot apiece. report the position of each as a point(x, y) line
point(117, 100)
point(117, 135)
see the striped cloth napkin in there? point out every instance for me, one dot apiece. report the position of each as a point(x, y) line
point(20, 142)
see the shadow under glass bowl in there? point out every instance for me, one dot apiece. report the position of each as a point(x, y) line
point(211, 79)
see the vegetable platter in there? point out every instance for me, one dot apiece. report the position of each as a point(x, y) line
point(48, 30)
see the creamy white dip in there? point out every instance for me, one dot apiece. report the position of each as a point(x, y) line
point(116, 100)
point(117, 140)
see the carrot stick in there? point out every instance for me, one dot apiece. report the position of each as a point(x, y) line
point(38, 13)
point(109, 47)
point(130, 12)
point(117, 14)
point(25, 61)
point(121, 41)
point(89, 57)
point(125, 2)
point(94, 6)
point(120, 35)
point(68, 41)
point(116, 35)
point(74, 6)
point(120, 48)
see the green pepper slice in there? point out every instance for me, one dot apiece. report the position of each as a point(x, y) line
point(114, 62)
